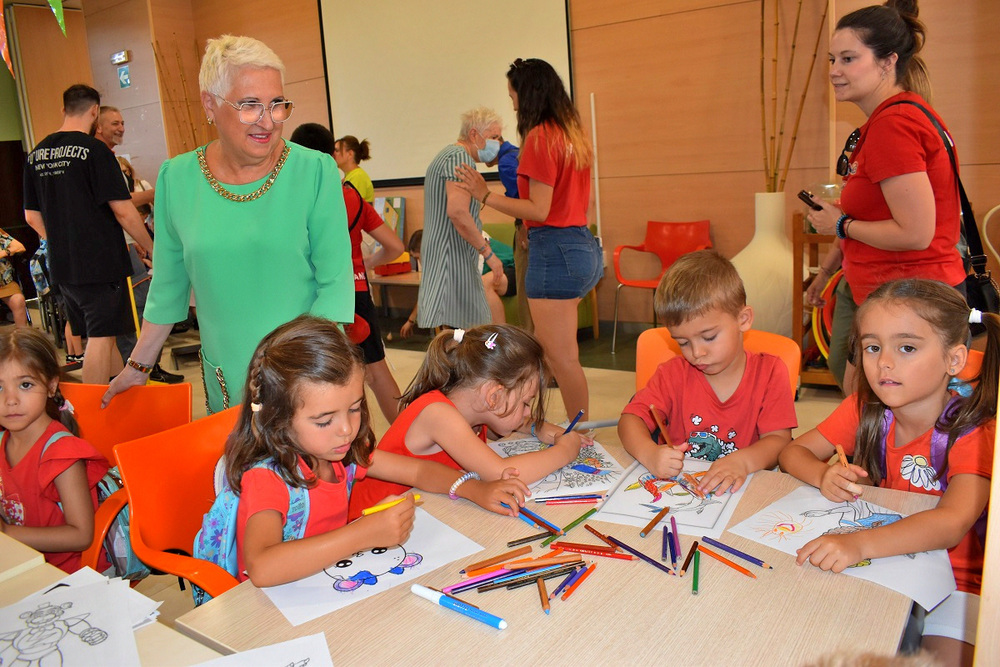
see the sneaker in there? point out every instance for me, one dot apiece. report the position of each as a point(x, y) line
point(160, 375)
point(74, 359)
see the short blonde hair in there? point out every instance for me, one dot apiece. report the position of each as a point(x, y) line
point(224, 55)
point(480, 119)
point(696, 283)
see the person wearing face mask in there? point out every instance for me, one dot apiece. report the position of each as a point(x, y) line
point(451, 291)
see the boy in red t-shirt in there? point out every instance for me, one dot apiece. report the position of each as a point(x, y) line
point(718, 402)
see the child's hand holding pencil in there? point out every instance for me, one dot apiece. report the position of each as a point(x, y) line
point(839, 482)
point(391, 520)
point(502, 496)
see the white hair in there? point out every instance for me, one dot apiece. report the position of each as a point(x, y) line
point(480, 119)
point(224, 55)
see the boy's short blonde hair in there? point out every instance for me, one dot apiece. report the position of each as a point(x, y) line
point(696, 283)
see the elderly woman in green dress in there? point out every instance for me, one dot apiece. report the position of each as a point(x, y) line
point(255, 225)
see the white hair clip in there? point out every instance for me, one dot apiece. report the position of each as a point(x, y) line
point(975, 316)
point(458, 335)
point(491, 342)
point(256, 407)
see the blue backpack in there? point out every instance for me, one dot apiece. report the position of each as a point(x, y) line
point(216, 541)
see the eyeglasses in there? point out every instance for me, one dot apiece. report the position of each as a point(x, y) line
point(252, 112)
point(844, 161)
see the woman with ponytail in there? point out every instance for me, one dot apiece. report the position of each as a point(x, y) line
point(898, 214)
point(48, 476)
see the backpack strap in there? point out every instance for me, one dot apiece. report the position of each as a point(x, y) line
point(361, 206)
point(55, 437)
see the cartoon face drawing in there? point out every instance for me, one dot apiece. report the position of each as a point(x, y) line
point(365, 567)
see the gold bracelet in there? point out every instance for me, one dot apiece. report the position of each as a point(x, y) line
point(139, 366)
point(486, 196)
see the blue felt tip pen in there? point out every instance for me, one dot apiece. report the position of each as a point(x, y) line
point(459, 606)
point(579, 415)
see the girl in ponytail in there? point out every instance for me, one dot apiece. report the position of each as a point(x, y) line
point(48, 477)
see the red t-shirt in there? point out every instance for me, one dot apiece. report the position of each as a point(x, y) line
point(371, 490)
point(546, 158)
point(693, 412)
point(28, 495)
point(897, 140)
point(263, 489)
point(361, 216)
point(909, 468)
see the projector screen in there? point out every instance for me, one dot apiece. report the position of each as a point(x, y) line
point(400, 73)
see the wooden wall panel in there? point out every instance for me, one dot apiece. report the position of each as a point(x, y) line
point(588, 13)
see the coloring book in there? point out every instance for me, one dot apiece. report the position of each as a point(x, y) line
point(593, 471)
point(640, 495)
point(367, 573)
point(804, 514)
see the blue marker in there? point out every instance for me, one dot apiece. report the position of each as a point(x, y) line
point(569, 428)
point(459, 606)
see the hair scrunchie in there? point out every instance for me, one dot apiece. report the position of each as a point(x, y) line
point(458, 335)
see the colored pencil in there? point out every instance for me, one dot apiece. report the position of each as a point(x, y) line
point(529, 538)
point(655, 520)
point(579, 580)
point(841, 455)
point(675, 534)
point(551, 527)
point(493, 568)
point(497, 559)
point(601, 536)
point(641, 555)
point(475, 582)
point(659, 424)
point(672, 549)
point(573, 423)
point(693, 483)
point(565, 582)
point(581, 501)
point(687, 561)
point(694, 579)
point(572, 524)
point(596, 552)
point(558, 560)
point(723, 559)
point(580, 545)
point(528, 578)
point(581, 496)
point(736, 552)
point(385, 506)
point(543, 595)
point(666, 539)
point(553, 574)
point(453, 597)
point(524, 517)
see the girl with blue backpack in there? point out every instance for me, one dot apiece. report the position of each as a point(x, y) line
point(302, 439)
point(913, 426)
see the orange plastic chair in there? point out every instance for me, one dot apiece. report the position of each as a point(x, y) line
point(138, 412)
point(656, 346)
point(972, 366)
point(169, 478)
point(666, 240)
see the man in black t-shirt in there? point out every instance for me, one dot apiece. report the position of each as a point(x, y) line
point(74, 196)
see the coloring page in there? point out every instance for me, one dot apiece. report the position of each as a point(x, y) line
point(640, 496)
point(804, 514)
point(367, 573)
point(141, 610)
point(593, 471)
point(70, 625)
point(309, 651)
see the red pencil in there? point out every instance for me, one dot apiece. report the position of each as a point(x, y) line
point(579, 545)
point(601, 536)
point(604, 554)
point(569, 591)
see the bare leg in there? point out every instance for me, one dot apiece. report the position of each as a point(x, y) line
point(493, 297)
point(74, 343)
point(949, 651)
point(97, 365)
point(19, 309)
point(555, 328)
point(379, 378)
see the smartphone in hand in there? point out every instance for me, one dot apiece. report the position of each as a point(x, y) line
point(806, 198)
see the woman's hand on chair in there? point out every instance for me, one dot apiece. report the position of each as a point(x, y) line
point(128, 378)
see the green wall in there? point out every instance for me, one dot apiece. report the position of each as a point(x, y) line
point(10, 113)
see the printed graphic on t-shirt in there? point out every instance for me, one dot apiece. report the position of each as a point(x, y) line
point(54, 161)
point(918, 471)
point(706, 444)
point(11, 508)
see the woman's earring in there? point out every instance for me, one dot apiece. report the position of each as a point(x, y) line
point(210, 120)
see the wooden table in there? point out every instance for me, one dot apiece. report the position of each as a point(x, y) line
point(158, 644)
point(625, 612)
point(408, 279)
point(16, 557)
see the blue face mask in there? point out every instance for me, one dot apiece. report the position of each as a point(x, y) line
point(489, 152)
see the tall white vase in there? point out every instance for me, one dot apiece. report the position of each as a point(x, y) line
point(766, 266)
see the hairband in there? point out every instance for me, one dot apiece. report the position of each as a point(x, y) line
point(458, 335)
point(975, 316)
point(256, 407)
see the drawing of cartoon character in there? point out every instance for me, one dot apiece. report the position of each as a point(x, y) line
point(37, 645)
point(365, 567)
point(857, 514)
point(708, 446)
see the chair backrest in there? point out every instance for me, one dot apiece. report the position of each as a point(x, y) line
point(656, 346)
point(138, 412)
point(670, 240)
point(972, 365)
point(169, 477)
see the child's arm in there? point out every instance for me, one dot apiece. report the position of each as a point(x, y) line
point(940, 528)
point(270, 562)
point(78, 508)
point(662, 460)
point(806, 458)
point(729, 472)
point(438, 478)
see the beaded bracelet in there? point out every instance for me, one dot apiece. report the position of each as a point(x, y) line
point(839, 228)
point(459, 482)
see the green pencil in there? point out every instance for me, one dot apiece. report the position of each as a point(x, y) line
point(694, 580)
point(570, 526)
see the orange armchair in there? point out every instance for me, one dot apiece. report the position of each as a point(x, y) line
point(169, 478)
point(666, 240)
point(138, 412)
point(656, 346)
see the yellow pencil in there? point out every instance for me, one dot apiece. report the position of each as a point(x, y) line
point(385, 506)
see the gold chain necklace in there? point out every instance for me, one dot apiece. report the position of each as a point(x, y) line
point(259, 192)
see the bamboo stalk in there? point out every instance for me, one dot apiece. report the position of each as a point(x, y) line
point(788, 78)
point(802, 99)
point(763, 97)
point(772, 177)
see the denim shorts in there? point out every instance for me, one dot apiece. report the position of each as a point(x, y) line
point(563, 263)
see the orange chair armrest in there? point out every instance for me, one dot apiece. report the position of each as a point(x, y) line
point(617, 254)
point(202, 573)
point(103, 519)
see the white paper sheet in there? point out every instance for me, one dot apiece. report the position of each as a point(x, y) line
point(575, 478)
point(70, 625)
point(141, 610)
point(640, 496)
point(804, 514)
point(311, 651)
point(367, 573)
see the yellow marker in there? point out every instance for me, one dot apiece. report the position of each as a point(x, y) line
point(385, 506)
